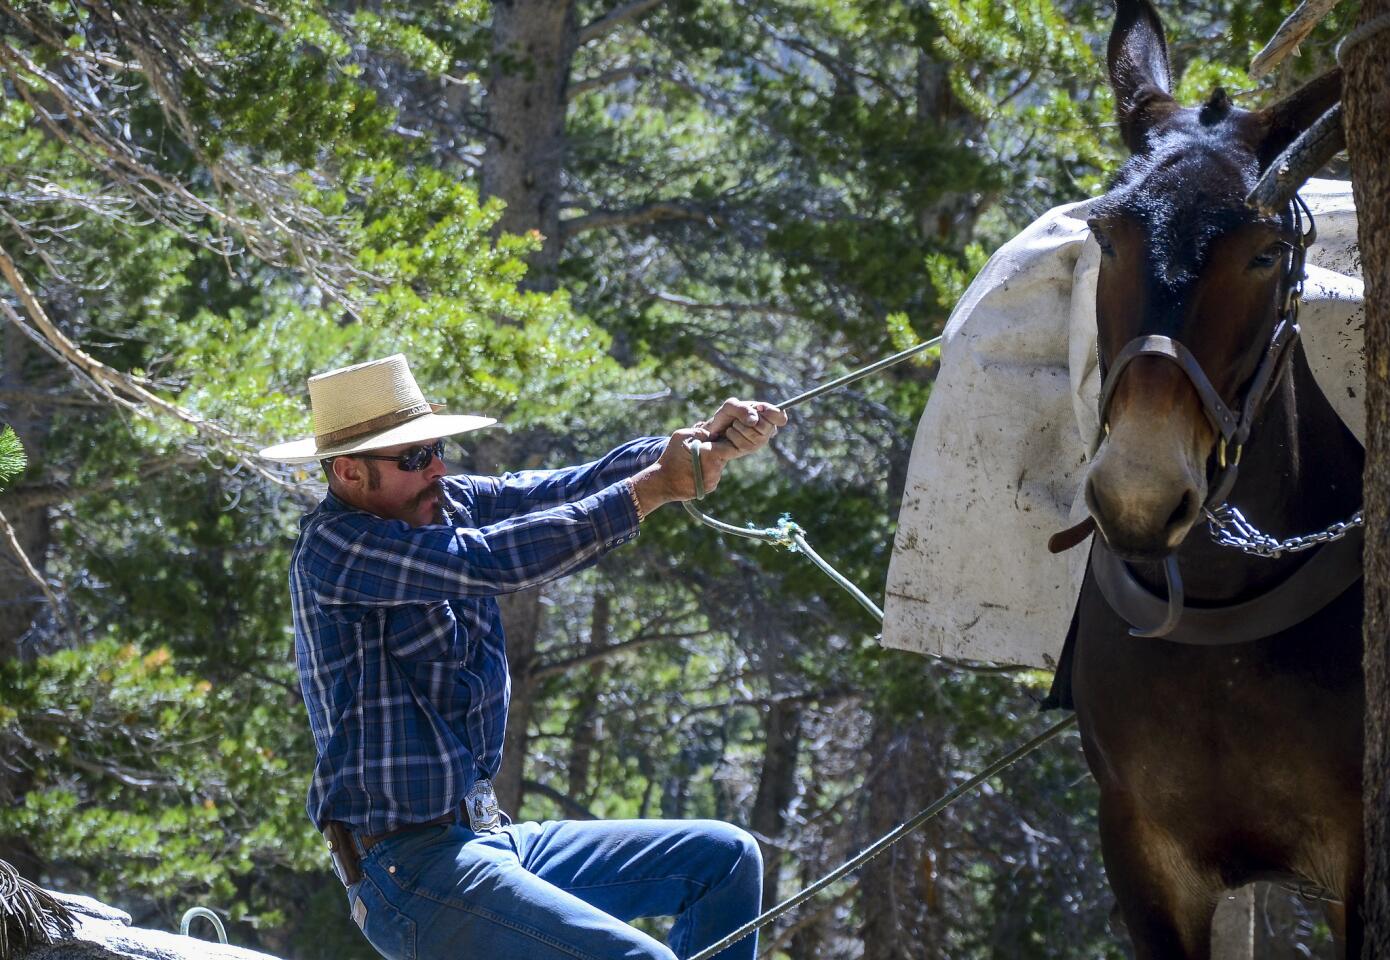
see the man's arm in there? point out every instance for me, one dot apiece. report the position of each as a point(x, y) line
point(513, 494)
point(355, 561)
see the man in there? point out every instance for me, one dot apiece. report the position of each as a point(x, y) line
point(399, 643)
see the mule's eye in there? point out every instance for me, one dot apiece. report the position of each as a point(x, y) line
point(1103, 241)
point(1272, 256)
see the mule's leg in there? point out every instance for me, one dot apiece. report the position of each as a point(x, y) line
point(1166, 900)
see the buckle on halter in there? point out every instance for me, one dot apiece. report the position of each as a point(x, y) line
point(1221, 454)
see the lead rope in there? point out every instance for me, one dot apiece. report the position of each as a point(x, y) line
point(789, 535)
point(888, 839)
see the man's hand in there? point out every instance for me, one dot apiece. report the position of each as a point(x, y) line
point(747, 425)
point(738, 428)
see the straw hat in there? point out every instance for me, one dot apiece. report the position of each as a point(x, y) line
point(366, 407)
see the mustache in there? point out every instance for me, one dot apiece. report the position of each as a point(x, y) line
point(435, 489)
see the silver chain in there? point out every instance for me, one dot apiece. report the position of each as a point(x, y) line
point(1229, 528)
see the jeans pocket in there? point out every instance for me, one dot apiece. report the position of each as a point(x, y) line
point(391, 932)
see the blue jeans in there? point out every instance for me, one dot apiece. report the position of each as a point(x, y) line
point(560, 890)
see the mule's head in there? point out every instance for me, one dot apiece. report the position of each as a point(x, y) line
point(1181, 256)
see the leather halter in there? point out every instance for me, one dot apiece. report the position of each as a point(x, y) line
point(1319, 581)
point(1232, 429)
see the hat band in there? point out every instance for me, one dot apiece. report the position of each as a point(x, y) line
point(374, 425)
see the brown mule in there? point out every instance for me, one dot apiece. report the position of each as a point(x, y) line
point(1229, 752)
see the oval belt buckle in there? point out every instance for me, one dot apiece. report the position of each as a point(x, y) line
point(484, 815)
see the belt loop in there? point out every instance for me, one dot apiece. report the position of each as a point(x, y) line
point(357, 843)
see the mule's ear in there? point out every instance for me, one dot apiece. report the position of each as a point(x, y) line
point(1285, 120)
point(1139, 75)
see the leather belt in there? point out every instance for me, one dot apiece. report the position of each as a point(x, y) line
point(369, 840)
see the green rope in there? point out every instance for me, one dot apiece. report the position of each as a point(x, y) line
point(193, 913)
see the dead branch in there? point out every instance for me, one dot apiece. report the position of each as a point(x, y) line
point(606, 79)
point(1303, 158)
point(1290, 34)
point(129, 391)
point(656, 212)
point(12, 538)
point(572, 807)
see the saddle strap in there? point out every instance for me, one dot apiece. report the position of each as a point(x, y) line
point(1324, 577)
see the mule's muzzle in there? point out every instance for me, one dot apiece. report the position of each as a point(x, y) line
point(1145, 528)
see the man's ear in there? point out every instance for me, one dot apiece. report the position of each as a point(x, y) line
point(346, 472)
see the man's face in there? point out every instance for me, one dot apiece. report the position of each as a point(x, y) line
point(389, 492)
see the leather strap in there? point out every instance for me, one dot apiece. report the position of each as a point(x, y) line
point(369, 840)
point(374, 425)
point(1157, 345)
point(1321, 579)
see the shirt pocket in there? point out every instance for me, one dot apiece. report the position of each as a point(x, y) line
point(425, 633)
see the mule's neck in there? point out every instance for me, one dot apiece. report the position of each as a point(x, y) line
point(1299, 473)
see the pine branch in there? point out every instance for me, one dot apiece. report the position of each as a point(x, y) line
point(12, 458)
point(613, 19)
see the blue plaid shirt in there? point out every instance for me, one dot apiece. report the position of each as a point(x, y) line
point(399, 638)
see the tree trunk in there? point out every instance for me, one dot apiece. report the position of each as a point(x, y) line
point(776, 789)
point(900, 896)
point(23, 608)
point(584, 725)
point(533, 45)
point(1367, 103)
point(22, 604)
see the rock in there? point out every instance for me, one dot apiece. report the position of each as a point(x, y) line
point(103, 932)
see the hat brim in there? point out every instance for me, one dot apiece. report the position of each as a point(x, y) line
point(427, 427)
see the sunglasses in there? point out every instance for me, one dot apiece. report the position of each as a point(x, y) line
point(413, 460)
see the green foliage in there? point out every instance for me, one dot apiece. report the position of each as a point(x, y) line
point(197, 793)
point(12, 459)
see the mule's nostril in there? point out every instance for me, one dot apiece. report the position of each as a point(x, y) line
point(1179, 514)
point(1183, 515)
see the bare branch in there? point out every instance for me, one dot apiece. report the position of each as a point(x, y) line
point(127, 390)
point(572, 807)
point(615, 18)
point(12, 538)
point(1290, 34)
point(770, 309)
point(1303, 158)
point(542, 670)
point(606, 79)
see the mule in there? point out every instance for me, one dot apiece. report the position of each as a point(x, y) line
point(1227, 743)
